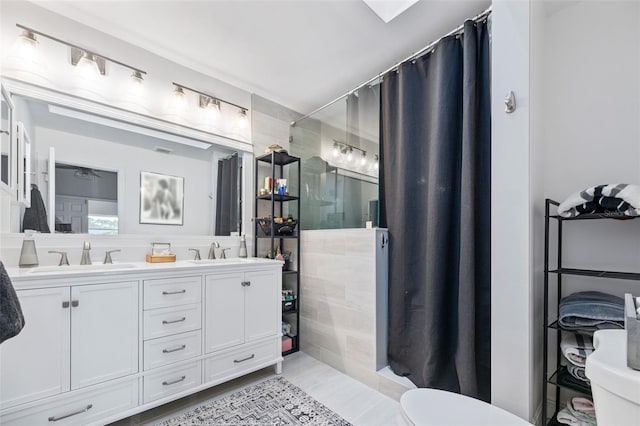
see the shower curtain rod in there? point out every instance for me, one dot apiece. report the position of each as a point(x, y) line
point(415, 55)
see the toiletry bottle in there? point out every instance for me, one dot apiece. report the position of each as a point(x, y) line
point(243, 247)
point(28, 253)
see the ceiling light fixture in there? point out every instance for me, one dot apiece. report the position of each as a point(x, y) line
point(243, 120)
point(27, 44)
point(208, 101)
point(179, 97)
point(136, 83)
point(210, 105)
point(79, 55)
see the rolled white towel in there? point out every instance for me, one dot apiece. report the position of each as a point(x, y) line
point(576, 348)
point(565, 417)
point(577, 202)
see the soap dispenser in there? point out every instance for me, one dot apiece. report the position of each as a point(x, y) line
point(242, 252)
point(28, 253)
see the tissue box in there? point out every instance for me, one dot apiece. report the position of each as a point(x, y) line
point(287, 343)
point(632, 325)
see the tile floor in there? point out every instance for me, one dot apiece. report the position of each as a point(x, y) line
point(354, 401)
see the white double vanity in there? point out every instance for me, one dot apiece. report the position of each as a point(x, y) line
point(103, 342)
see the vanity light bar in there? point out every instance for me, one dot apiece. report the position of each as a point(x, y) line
point(210, 97)
point(78, 51)
point(79, 115)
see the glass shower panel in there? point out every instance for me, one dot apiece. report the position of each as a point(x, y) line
point(339, 148)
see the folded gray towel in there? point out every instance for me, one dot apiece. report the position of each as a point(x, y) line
point(591, 310)
point(11, 318)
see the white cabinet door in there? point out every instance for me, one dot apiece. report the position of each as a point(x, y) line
point(262, 304)
point(104, 332)
point(224, 307)
point(35, 363)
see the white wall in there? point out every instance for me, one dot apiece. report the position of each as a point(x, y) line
point(511, 354)
point(104, 154)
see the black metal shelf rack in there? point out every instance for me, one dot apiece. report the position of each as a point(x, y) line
point(556, 377)
point(278, 161)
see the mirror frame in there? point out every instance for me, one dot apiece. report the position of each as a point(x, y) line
point(12, 160)
point(50, 96)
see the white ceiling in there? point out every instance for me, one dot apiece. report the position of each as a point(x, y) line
point(299, 53)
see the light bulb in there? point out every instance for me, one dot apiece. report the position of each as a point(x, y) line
point(375, 165)
point(26, 46)
point(350, 155)
point(363, 159)
point(87, 67)
point(335, 151)
point(243, 120)
point(136, 83)
point(179, 97)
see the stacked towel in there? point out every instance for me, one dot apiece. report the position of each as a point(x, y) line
point(579, 412)
point(590, 311)
point(11, 318)
point(623, 199)
point(579, 373)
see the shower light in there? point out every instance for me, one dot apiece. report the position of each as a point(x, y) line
point(335, 151)
point(363, 159)
point(375, 165)
point(350, 154)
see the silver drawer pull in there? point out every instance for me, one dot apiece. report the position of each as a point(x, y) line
point(164, 293)
point(181, 379)
point(238, 361)
point(167, 351)
point(84, 410)
point(174, 321)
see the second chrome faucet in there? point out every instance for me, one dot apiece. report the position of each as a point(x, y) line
point(86, 258)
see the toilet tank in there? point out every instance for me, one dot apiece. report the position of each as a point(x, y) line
point(615, 386)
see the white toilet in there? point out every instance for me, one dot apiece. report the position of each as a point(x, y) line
point(426, 407)
point(615, 387)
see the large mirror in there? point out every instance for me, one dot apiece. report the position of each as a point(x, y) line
point(101, 167)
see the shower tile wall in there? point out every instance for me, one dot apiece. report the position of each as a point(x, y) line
point(343, 303)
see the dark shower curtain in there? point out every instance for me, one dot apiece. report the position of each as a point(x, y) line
point(227, 196)
point(435, 195)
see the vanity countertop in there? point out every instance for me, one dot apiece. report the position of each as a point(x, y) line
point(39, 273)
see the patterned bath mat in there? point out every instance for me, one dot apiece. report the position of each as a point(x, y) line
point(272, 402)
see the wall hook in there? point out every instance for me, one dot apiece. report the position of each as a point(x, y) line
point(510, 103)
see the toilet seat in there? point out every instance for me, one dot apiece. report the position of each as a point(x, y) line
point(426, 407)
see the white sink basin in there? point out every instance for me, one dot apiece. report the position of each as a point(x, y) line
point(232, 261)
point(82, 268)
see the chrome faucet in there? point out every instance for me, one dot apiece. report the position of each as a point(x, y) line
point(107, 256)
point(63, 257)
point(212, 250)
point(86, 258)
point(223, 254)
point(197, 255)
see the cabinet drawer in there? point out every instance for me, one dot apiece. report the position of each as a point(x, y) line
point(242, 359)
point(80, 408)
point(163, 351)
point(173, 320)
point(171, 292)
point(167, 382)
